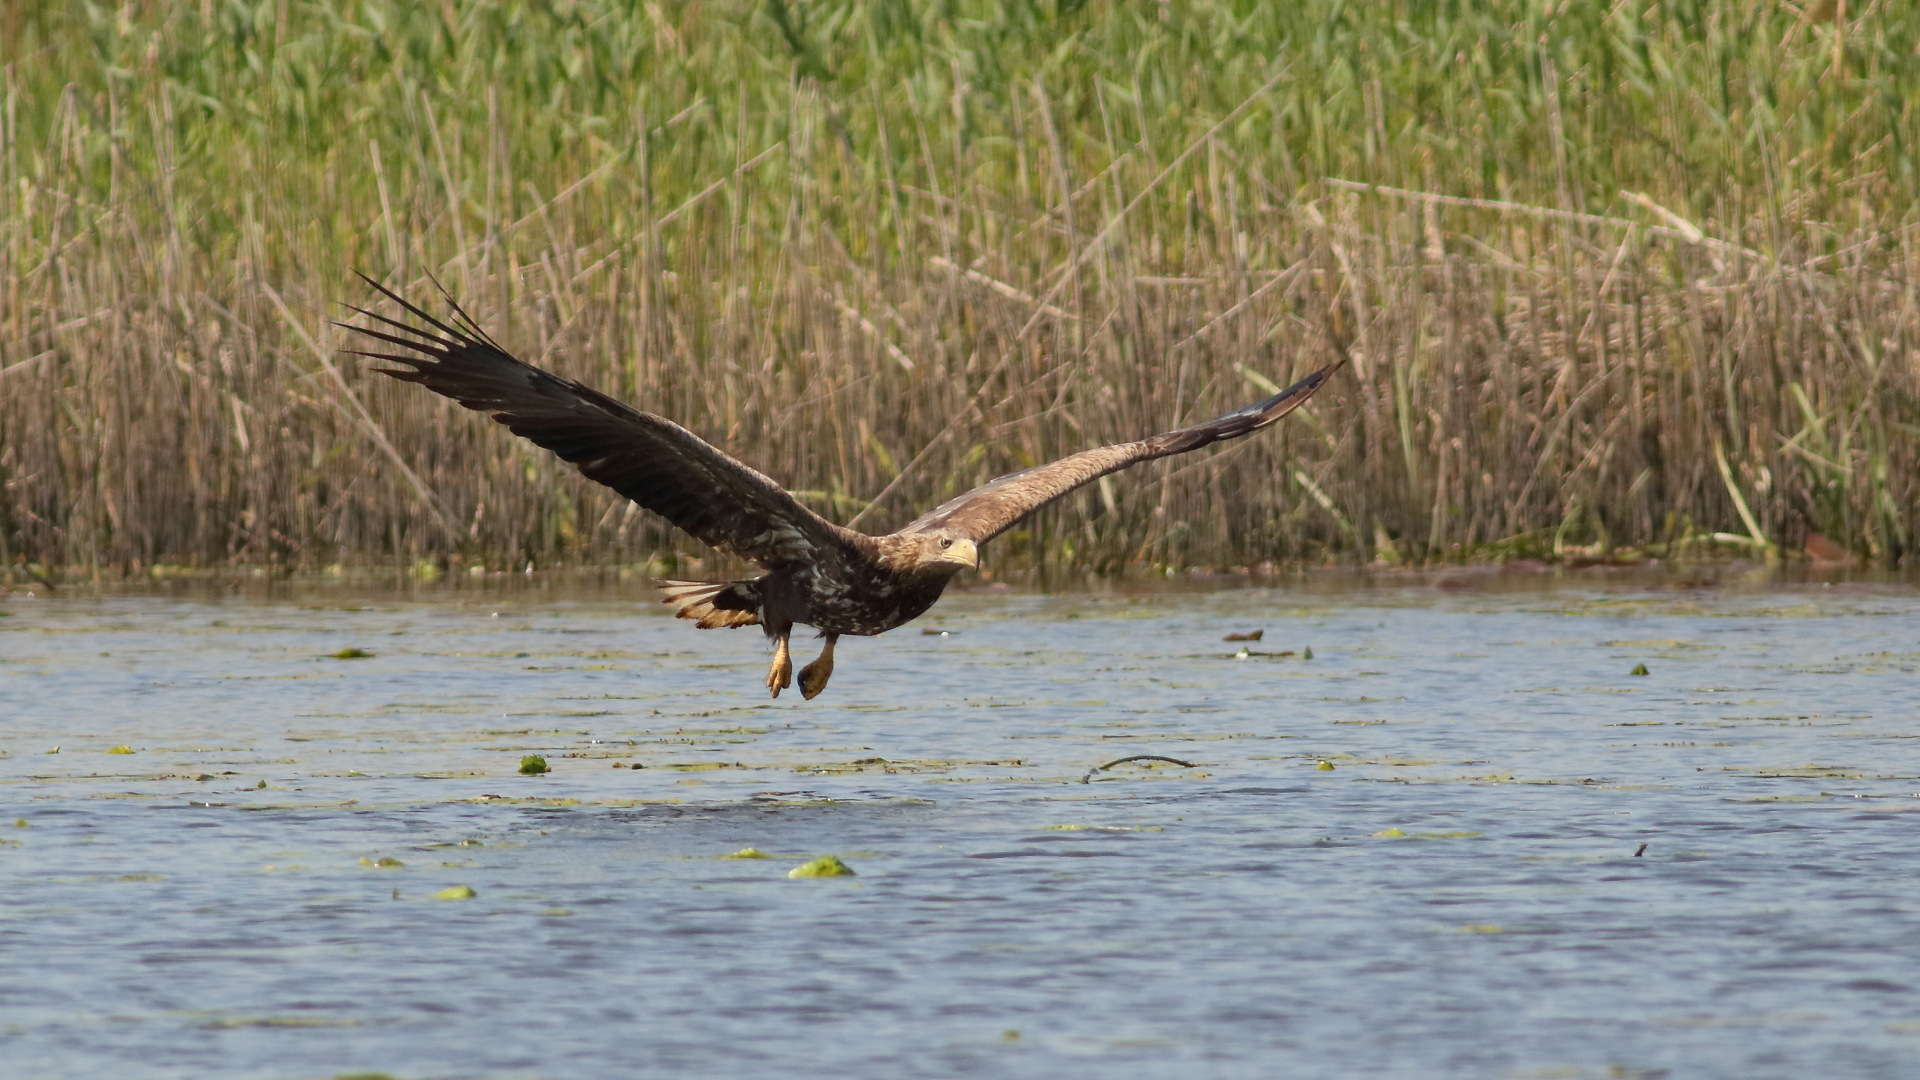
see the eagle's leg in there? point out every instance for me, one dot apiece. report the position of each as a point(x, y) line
point(780, 675)
point(813, 677)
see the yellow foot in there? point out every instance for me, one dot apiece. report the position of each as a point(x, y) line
point(780, 675)
point(813, 677)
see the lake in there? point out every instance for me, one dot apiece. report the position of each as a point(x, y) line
point(1463, 839)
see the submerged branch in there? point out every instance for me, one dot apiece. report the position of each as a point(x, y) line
point(1087, 779)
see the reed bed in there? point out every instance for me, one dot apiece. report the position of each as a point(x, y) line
point(1637, 276)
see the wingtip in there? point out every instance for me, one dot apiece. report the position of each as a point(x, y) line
point(1260, 414)
point(379, 288)
point(1304, 387)
point(1319, 377)
point(458, 335)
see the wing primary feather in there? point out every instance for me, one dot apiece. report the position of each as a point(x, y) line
point(414, 311)
point(470, 322)
point(405, 328)
point(431, 347)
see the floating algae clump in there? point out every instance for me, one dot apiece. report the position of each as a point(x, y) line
point(532, 765)
point(1639, 669)
point(750, 853)
point(456, 892)
point(121, 750)
point(824, 866)
point(1325, 766)
point(1395, 831)
point(352, 654)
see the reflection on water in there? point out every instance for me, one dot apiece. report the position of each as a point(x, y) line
point(1413, 854)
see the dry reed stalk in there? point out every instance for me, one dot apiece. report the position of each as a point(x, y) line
point(1588, 306)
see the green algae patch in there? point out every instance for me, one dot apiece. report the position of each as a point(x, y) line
point(824, 866)
point(750, 853)
point(1103, 828)
point(352, 654)
point(1904, 1027)
point(541, 800)
point(456, 892)
point(384, 863)
point(1393, 832)
point(1808, 771)
point(533, 765)
point(121, 750)
point(1325, 766)
point(1461, 835)
point(233, 1022)
point(1639, 669)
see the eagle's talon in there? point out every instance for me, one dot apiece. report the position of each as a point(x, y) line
point(780, 675)
point(813, 677)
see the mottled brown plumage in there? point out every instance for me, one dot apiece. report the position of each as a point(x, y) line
point(818, 574)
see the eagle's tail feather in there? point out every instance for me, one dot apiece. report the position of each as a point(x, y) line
point(713, 603)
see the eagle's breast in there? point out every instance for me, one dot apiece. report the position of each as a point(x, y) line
point(869, 602)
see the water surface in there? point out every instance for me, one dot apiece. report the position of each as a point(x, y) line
point(1461, 840)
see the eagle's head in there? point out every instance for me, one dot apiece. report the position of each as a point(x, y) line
point(938, 552)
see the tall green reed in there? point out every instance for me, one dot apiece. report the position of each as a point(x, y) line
point(1626, 275)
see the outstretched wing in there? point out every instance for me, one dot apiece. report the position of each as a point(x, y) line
point(649, 459)
point(993, 507)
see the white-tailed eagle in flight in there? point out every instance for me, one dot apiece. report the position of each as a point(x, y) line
point(819, 574)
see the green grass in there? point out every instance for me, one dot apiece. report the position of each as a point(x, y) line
point(886, 250)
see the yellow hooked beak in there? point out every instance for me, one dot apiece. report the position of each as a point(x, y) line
point(963, 552)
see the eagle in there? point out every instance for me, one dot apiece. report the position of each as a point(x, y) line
point(818, 574)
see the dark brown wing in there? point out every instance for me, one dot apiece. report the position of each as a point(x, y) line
point(993, 507)
point(649, 459)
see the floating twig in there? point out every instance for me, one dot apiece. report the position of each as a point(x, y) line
point(1639, 851)
point(1087, 779)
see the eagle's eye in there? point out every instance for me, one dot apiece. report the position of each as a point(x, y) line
point(945, 542)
